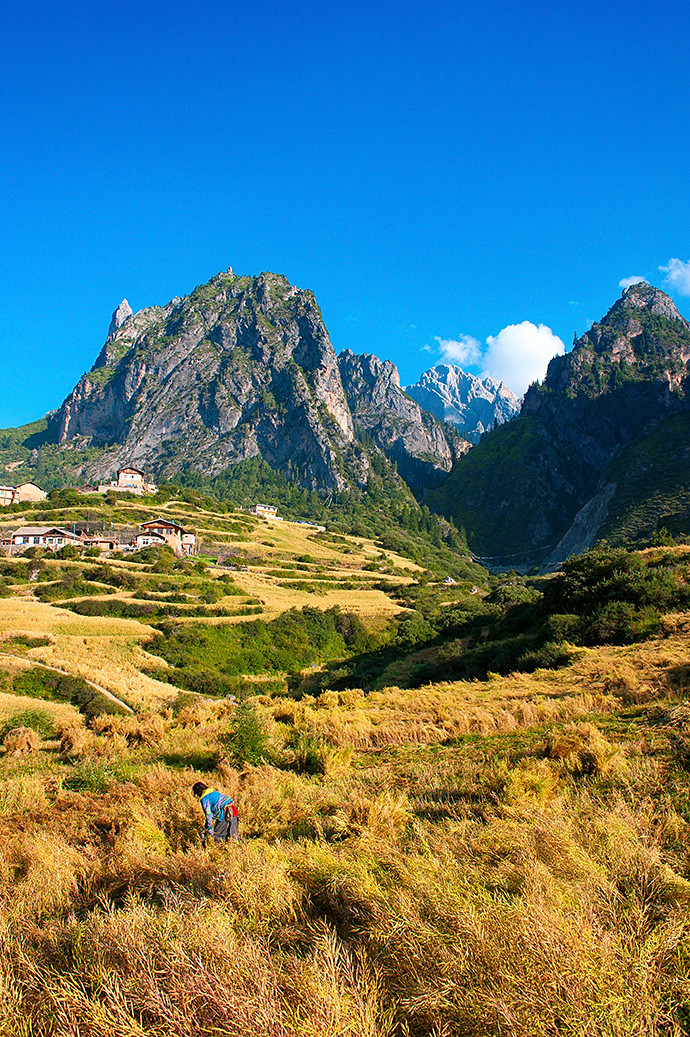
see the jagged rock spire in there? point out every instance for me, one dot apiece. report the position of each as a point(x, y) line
point(120, 315)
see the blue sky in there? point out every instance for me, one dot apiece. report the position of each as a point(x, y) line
point(436, 172)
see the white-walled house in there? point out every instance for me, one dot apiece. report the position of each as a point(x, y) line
point(266, 510)
point(147, 539)
point(129, 480)
point(181, 540)
point(50, 537)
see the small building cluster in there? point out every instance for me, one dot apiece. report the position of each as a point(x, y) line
point(129, 480)
point(156, 532)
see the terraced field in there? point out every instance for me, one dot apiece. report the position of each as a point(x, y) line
point(505, 855)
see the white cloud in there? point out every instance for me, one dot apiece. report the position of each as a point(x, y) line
point(520, 354)
point(626, 282)
point(677, 276)
point(465, 350)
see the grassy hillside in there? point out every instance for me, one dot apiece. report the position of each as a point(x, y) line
point(652, 478)
point(522, 455)
point(504, 855)
point(101, 615)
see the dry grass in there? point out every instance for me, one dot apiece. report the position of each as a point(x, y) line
point(369, 604)
point(104, 650)
point(500, 857)
point(600, 681)
point(542, 898)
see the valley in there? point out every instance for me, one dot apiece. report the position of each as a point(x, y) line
point(462, 793)
point(504, 853)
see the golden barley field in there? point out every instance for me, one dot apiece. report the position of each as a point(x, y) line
point(505, 856)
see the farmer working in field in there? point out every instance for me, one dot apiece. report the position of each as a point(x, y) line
point(222, 819)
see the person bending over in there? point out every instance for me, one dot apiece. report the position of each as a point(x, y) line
point(222, 818)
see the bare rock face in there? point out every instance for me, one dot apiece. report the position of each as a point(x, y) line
point(408, 436)
point(473, 404)
point(120, 315)
point(241, 367)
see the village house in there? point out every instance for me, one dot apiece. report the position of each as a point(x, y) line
point(265, 510)
point(180, 540)
point(50, 537)
point(146, 539)
point(29, 491)
point(26, 491)
point(129, 480)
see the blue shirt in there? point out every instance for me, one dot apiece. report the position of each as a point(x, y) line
point(213, 804)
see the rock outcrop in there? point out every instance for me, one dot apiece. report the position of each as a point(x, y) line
point(474, 404)
point(120, 315)
point(409, 437)
point(243, 367)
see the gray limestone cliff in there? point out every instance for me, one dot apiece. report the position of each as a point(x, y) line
point(242, 367)
point(384, 415)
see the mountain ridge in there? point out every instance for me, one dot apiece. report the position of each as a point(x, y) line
point(523, 488)
point(243, 367)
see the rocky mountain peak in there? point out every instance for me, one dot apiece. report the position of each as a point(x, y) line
point(239, 368)
point(120, 315)
point(642, 338)
point(376, 376)
point(384, 414)
point(643, 296)
point(473, 404)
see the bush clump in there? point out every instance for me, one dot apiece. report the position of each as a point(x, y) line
point(38, 720)
point(248, 740)
point(47, 684)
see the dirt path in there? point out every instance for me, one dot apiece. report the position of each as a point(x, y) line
point(54, 669)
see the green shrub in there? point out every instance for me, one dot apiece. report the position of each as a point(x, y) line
point(91, 777)
point(563, 628)
point(68, 551)
point(308, 752)
point(248, 740)
point(71, 585)
point(47, 684)
point(25, 641)
point(291, 641)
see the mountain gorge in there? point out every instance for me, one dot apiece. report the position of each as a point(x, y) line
point(554, 480)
